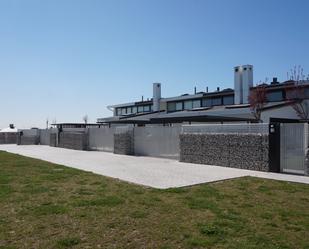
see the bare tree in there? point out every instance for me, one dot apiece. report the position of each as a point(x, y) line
point(295, 93)
point(257, 100)
point(85, 119)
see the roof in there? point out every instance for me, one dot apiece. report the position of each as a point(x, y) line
point(76, 125)
point(8, 130)
point(141, 118)
point(214, 114)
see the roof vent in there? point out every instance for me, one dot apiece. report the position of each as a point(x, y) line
point(275, 81)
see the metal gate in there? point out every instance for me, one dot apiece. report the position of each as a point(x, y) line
point(293, 144)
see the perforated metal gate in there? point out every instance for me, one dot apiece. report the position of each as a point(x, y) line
point(293, 144)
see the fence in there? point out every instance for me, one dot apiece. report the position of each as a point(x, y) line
point(8, 137)
point(45, 137)
point(28, 137)
point(73, 140)
point(227, 128)
point(231, 145)
point(101, 139)
point(157, 141)
point(293, 146)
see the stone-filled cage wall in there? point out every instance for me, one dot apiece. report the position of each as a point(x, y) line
point(235, 149)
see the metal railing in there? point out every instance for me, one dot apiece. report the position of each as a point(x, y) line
point(227, 128)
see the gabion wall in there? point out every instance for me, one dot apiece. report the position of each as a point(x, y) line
point(245, 151)
point(124, 143)
point(28, 140)
point(8, 138)
point(75, 141)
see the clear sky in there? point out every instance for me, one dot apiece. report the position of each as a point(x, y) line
point(62, 59)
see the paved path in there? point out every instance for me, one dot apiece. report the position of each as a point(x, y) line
point(148, 171)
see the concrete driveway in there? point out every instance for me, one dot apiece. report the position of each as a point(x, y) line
point(147, 171)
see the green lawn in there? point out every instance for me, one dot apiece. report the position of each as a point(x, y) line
point(43, 205)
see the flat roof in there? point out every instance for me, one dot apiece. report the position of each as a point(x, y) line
point(76, 125)
point(212, 114)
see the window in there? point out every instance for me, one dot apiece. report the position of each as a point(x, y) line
point(274, 96)
point(129, 110)
point(216, 101)
point(206, 102)
point(123, 111)
point(134, 109)
point(188, 105)
point(151, 107)
point(196, 103)
point(171, 106)
point(118, 111)
point(146, 108)
point(140, 109)
point(228, 100)
point(179, 106)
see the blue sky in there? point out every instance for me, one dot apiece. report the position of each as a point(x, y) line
point(62, 59)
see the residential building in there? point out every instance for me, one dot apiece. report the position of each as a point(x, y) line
point(227, 105)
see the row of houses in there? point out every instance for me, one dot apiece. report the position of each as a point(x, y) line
point(227, 105)
point(217, 128)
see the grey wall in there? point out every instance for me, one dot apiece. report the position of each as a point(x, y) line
point(245, 151)
point(73, 140)
point(8, 137)
point(124, 143)
point(45, 137)
point(101, 139)
point(157, 141)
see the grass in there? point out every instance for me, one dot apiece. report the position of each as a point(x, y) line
point(43, 205)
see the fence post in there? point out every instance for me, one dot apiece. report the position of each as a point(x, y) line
point(274, 147)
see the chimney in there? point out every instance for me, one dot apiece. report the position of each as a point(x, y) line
point(275, 81)
point(243, 81)
point(156, 96)
point(237, 85)
point(247, 82)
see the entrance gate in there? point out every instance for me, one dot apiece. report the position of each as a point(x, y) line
point(293, 145)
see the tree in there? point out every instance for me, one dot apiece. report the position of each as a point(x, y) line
point(257, 100)
point(295, 93)
point(85, 119)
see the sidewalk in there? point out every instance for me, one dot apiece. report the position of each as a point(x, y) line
point(148, 171)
